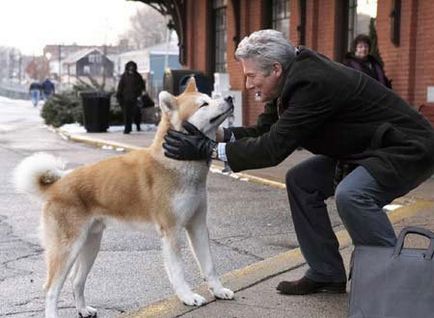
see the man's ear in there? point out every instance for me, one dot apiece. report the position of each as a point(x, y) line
point(191, 85)
point(167, 102)
point(277, 69)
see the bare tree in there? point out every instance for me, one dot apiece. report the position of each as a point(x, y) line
point(148, 27)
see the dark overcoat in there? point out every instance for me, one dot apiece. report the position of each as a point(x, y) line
point(333, 110)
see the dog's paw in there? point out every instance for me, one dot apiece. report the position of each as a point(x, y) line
point(223, 293)
point(88, 312)
point(192, 299)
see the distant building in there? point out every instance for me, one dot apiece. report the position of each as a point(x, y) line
point(151, 63)
point(57, 53)
point(87, 65)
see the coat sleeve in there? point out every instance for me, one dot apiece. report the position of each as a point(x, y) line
point(120, 89)
point(309, 106)
point(263, 124)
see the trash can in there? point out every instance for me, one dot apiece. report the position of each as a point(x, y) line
point(175, 81)
point(204, 83)
point(96, 111)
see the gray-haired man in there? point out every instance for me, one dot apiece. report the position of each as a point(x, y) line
point(360, 132)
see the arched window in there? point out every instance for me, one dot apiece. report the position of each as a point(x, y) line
point(220, 31)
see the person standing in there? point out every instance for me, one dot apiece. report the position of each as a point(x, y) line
point(130, 88)
point(35, 92)
point(361, 59)
point(48, 89)
point(369, 145)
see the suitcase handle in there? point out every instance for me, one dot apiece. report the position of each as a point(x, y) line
point(415, 230)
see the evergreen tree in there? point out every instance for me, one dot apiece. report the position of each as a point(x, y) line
point(374, 41)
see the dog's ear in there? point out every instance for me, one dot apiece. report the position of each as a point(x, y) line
point(191, 86)
point(167, 102)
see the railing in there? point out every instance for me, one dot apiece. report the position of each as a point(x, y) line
point(14, 90)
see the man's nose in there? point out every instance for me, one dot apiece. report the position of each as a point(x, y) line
point(249, 84)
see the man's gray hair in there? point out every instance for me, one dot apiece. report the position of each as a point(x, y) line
point(266, 47)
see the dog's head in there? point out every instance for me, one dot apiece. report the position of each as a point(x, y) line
point(198, 109)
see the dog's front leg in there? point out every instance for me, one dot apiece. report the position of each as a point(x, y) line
point(198, 235)
point(174, 268)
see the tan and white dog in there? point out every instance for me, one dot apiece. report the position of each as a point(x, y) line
point(142, 186)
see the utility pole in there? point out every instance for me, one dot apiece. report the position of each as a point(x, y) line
point(60, 63)
point(20, 66)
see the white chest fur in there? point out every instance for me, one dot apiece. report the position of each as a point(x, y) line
point(191, 195)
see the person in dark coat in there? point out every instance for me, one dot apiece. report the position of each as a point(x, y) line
point(360, 59)
point(35, 92)
point(48, 88)
point(369, 145)
point(130, 88)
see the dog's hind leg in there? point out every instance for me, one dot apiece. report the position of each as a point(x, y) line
point(63, 241)
point(60, 258)
point(198, 235)
point(82, 267)
point(174, 268)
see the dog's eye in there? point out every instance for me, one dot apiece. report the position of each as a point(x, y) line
point(204, 104)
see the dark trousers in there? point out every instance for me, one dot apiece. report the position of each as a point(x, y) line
point(359, 200)
point(131, 113)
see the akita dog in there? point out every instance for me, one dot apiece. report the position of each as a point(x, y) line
point(142, 186)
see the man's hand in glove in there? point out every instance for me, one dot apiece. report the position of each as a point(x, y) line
point(191, 146)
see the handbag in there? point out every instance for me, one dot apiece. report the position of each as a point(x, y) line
point(393, 282)
point(147, 101)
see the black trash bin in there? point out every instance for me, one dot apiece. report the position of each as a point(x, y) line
point(175, 81)
point(96, 111)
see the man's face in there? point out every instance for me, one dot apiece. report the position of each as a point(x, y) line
point(266, 87)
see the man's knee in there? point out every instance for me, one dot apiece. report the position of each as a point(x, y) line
point(346, 200)
point(293, 179)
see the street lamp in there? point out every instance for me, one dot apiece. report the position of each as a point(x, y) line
point(60, 63)
point(48, 56)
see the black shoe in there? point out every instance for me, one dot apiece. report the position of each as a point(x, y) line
point(138, 128)
point(126, 132)
point(306, 286)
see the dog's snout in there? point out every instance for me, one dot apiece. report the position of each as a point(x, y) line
point(229, 99)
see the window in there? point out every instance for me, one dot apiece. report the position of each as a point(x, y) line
point(360, 13)
point(219, 10)
point(301, 28)
point(281, 16)
point(395, 22)
point(95, 58)
point(86, 70)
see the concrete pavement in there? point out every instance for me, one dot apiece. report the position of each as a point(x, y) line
point(255, 284)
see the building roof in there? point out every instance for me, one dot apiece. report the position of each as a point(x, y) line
point(74, 57)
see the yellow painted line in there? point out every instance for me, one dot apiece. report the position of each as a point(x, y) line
point(252, 274)
point(250, 178)
point(102, 142)
point(96, 141)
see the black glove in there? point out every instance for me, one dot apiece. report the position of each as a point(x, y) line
point(192, 146)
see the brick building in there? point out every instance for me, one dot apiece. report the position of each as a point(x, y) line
point(209, 31)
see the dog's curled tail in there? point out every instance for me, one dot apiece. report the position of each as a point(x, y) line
point(36, 173)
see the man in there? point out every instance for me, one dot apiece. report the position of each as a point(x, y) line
point(48, 88)
point(362, 134)
point(35, 92)
point(130, 89)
